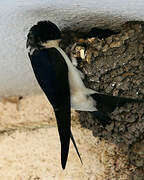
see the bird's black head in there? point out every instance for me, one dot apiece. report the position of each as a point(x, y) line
point(42, 32)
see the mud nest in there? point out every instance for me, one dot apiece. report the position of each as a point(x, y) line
point(113, 63)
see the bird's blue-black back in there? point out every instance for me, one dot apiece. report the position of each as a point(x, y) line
point(51, 72)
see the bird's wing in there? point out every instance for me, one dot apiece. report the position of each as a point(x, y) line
point(108, 103)
point(51, 73)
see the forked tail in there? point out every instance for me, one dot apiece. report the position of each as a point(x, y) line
point(74, 143)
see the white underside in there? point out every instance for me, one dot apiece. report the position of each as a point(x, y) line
point(80, 99)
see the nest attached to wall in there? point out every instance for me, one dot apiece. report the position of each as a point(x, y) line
point(113, 63)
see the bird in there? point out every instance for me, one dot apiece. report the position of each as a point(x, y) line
point(51, 72)
point(62, 83)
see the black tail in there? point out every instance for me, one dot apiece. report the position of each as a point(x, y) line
point(108, 103)
point(74, 143)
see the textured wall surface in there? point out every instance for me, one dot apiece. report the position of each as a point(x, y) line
point(16, 17)
point(30, 147)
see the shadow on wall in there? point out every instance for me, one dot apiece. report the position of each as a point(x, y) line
point(114, 65)
point(76, 20)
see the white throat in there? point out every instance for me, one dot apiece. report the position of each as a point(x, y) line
point(80, 99)
point(51, 43)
